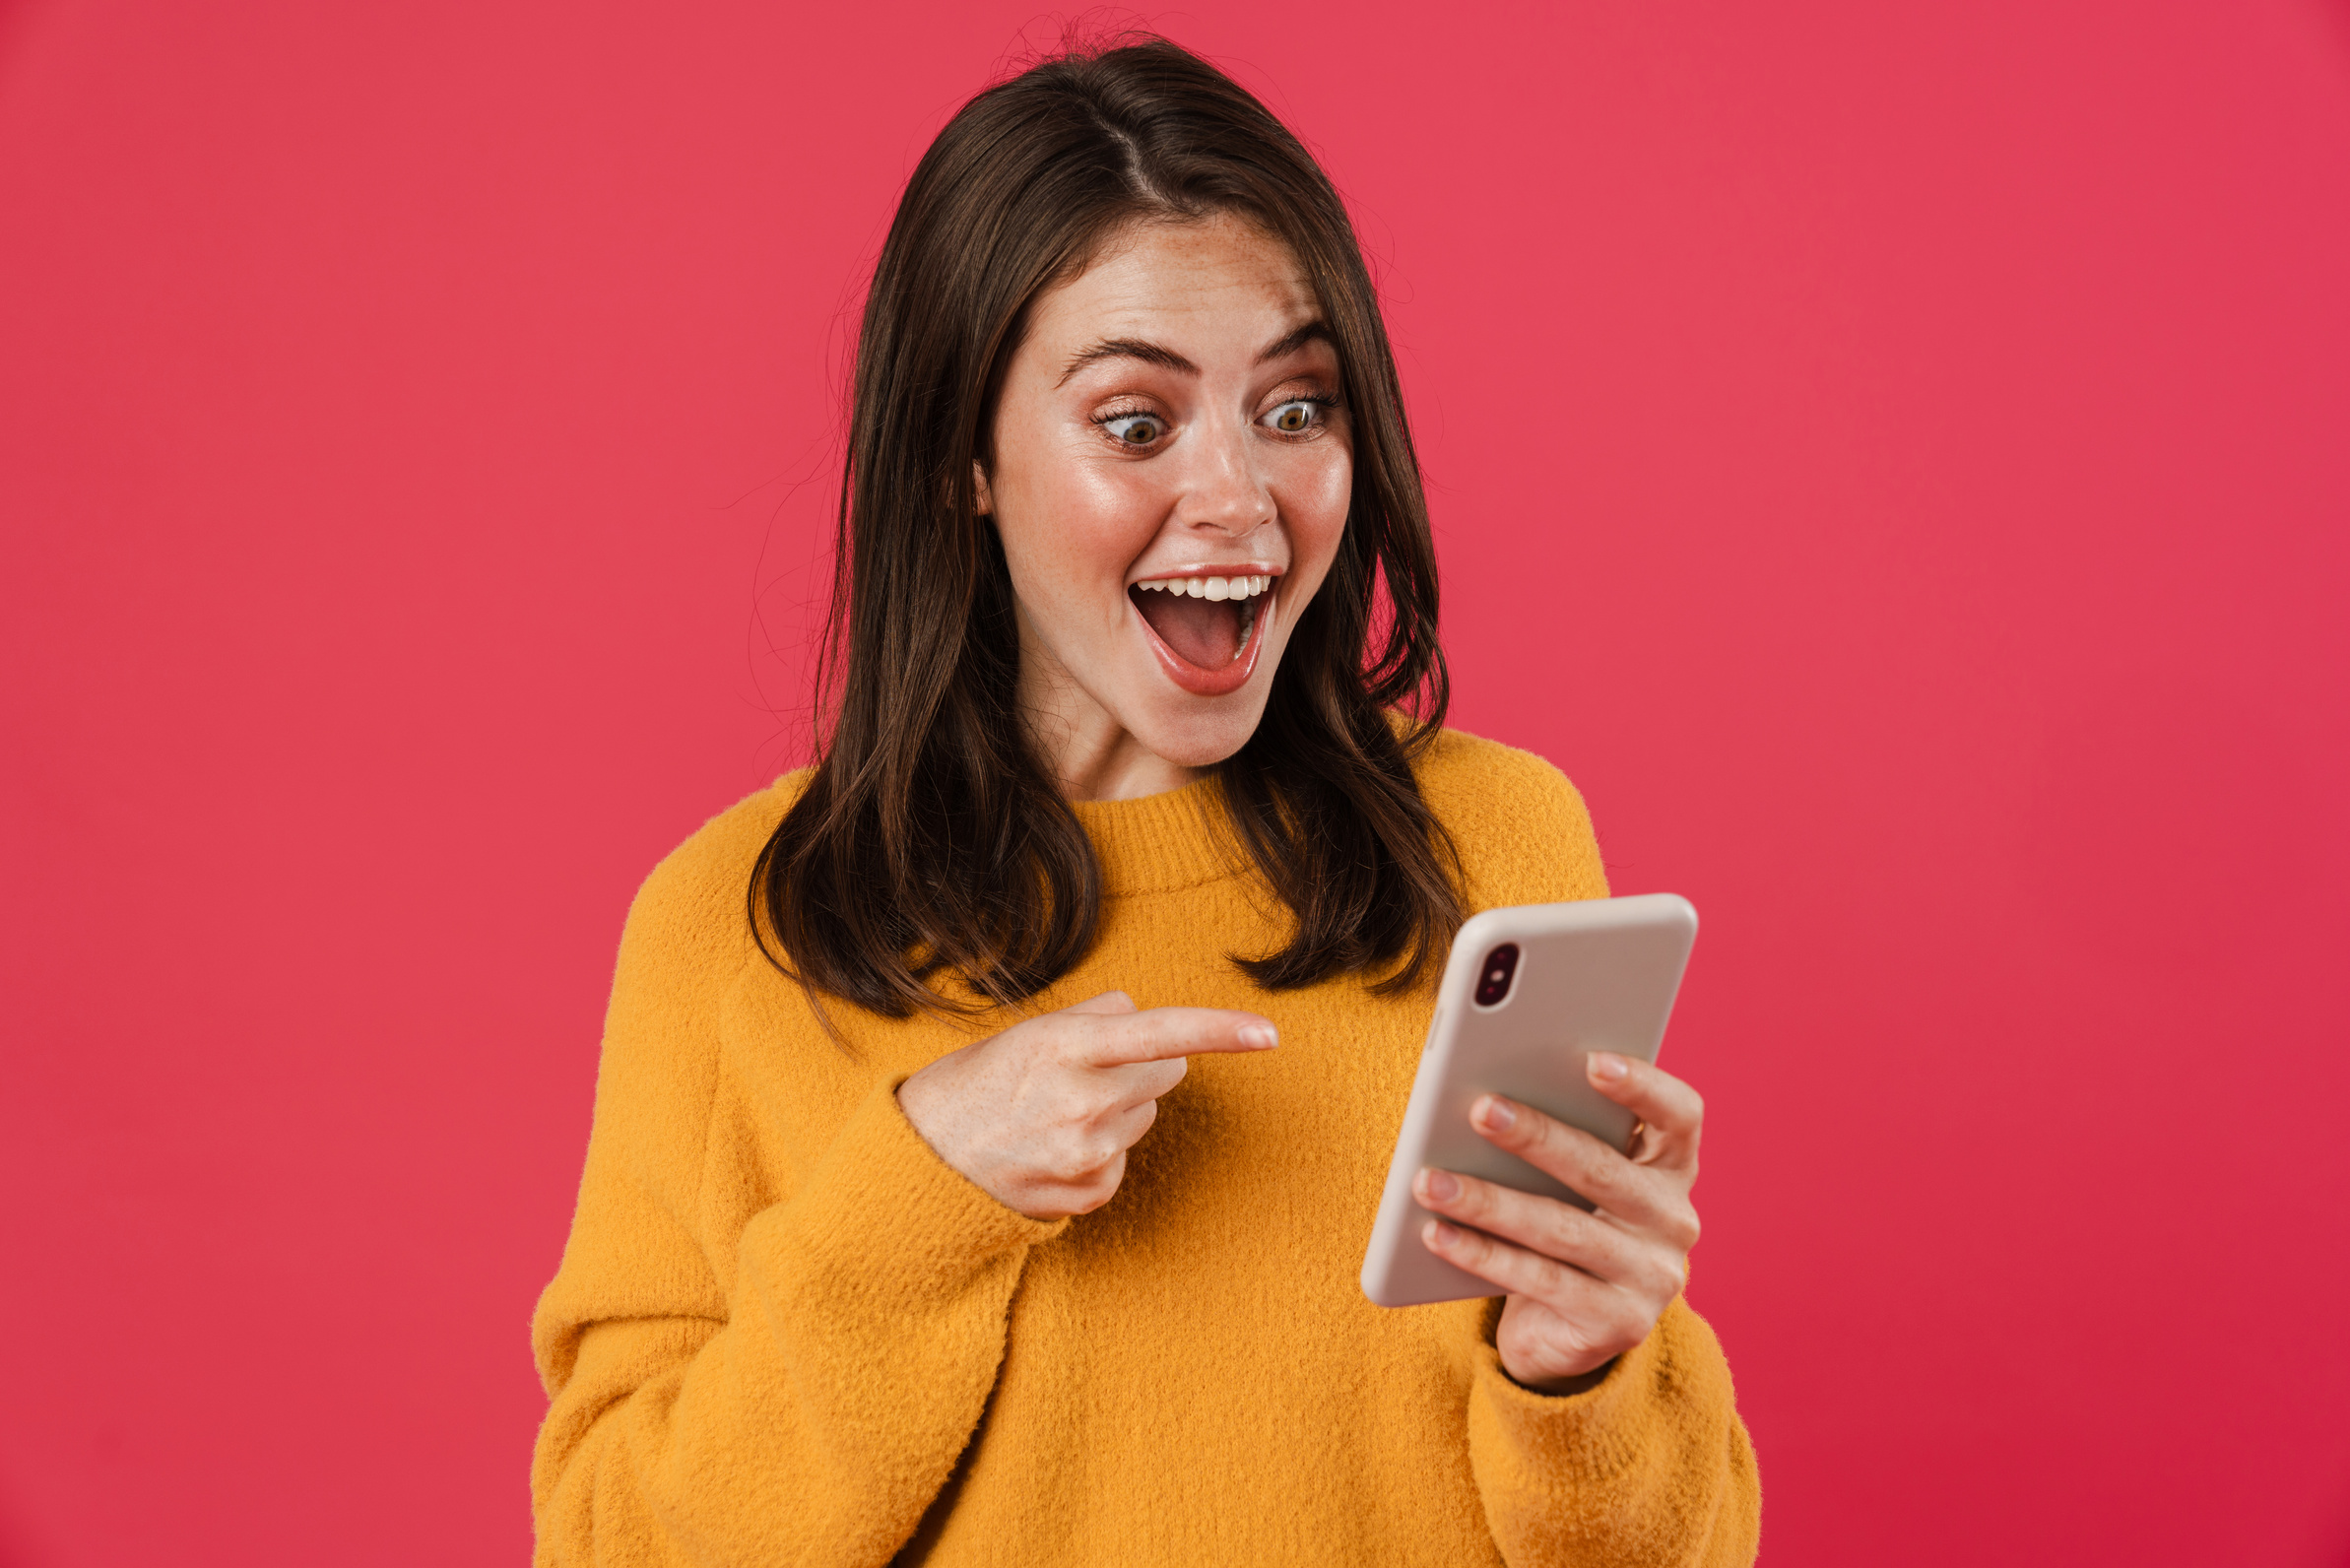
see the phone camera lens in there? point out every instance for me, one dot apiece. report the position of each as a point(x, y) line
point(1493, 980)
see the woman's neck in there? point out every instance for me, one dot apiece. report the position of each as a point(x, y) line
point(1091, 755)
point(1112, 768)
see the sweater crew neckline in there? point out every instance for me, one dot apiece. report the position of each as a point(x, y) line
point(1158, 843)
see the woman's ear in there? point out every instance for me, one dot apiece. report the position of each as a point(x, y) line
point(982, 502)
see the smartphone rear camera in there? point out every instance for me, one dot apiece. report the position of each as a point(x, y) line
point(1493, 980)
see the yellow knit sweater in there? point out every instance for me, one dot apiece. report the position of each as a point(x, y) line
point(784, 1332)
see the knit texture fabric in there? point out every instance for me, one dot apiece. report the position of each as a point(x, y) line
point(785, 1332)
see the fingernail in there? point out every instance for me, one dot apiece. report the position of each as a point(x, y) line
point(1609, 1068)
point(1439, 1186)
point(1497, 1113)
point(1260, 1035)
point(1441, 1234)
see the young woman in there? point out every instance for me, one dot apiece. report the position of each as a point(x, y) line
point(906, 1234)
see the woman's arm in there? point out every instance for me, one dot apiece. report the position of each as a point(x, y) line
point(1651, 1467)
point(1603, 1426)
point(809, 1410)
point(1637, 1456)
point(817, 1415)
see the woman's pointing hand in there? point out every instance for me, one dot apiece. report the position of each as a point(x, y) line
point(1041, 1116)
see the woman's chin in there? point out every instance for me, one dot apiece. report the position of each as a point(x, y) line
point(1197, 732)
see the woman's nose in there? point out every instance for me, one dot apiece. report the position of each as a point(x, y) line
point(1223, 489)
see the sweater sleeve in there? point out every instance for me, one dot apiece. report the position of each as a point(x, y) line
point(1652, 1466)
point(808, 1409)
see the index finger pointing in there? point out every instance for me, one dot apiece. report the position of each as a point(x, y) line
point(1158, 1034)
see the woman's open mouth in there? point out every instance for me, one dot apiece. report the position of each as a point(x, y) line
point(1206, 630)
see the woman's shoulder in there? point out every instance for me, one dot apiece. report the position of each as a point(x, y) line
point(1477, 771)
point(697, 896)
point(1521, 827)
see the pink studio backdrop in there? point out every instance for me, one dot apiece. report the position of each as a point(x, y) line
point(1895, 458)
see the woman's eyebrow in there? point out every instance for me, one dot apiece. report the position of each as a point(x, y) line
point(1312, 330)
point(1167, 358)
point(1129, 349)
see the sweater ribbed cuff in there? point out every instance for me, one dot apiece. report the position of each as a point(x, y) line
point(1596, 1432)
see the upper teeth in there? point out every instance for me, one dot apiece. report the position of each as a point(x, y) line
point(1212, 587)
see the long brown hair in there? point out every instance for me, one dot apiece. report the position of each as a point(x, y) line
point(932, 841)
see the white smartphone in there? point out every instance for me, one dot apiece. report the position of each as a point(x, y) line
point(1527, 993)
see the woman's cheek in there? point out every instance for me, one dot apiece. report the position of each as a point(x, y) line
point(1320, 515)
point(1120, 510)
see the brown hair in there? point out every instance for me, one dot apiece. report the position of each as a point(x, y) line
point(931, 841)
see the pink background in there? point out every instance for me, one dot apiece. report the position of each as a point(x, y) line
point(1895, 457)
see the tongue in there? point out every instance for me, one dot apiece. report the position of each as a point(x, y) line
point(1204, 632)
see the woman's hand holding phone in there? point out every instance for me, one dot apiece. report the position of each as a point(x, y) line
point(1583, 1288)
point(1041, 1116)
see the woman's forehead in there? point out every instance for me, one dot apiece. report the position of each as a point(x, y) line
point(1208, 281)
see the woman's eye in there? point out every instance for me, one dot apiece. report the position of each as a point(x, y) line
point(1135, 429)
point(1293, 419)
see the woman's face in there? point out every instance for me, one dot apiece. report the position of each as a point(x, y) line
point(1171, 472)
